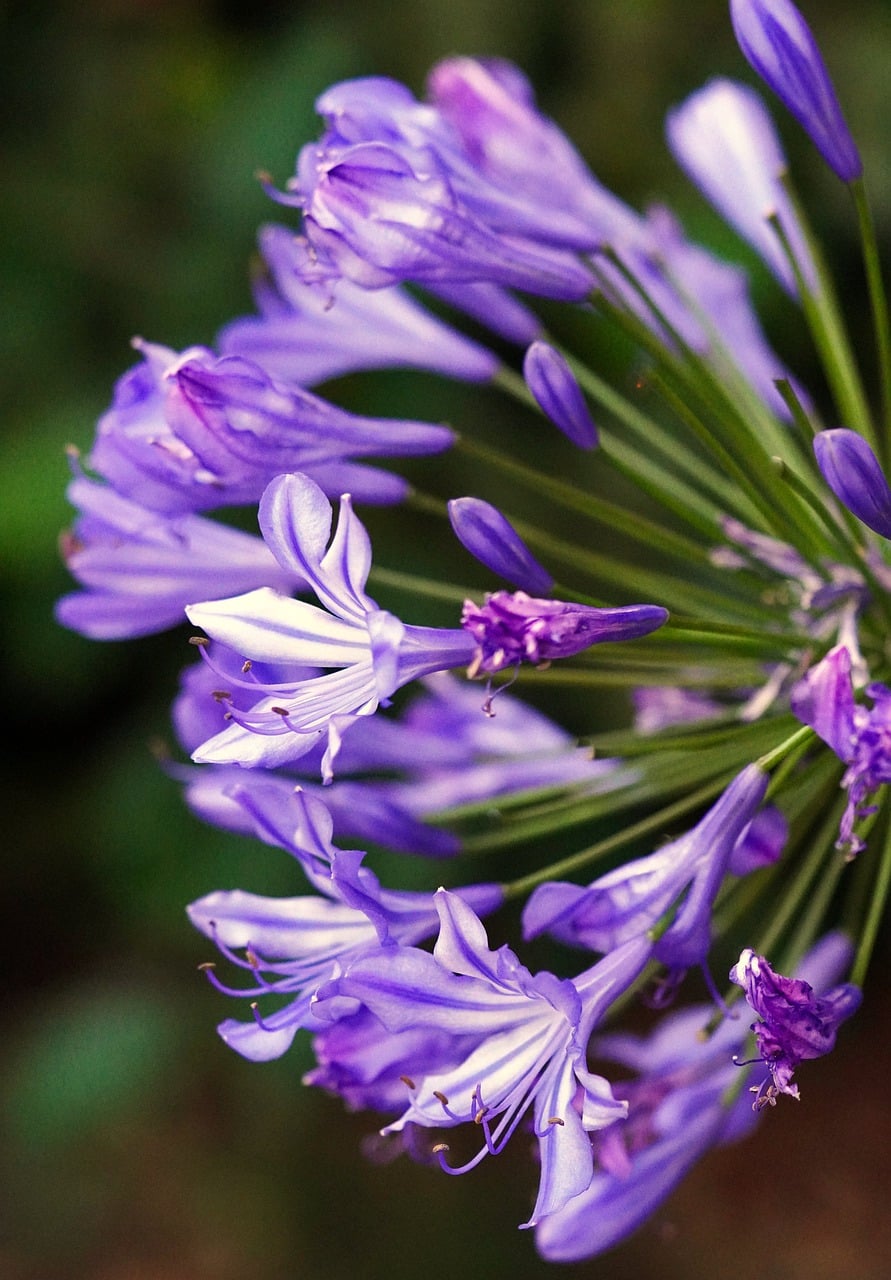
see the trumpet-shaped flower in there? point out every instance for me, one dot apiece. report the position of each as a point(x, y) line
point(530, 1053)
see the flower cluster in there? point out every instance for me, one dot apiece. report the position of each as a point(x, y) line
point(732, 815)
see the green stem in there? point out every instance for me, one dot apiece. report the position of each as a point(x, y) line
point(875, 912)
point(878, 301)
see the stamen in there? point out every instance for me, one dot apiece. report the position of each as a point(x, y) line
point(408, 1082)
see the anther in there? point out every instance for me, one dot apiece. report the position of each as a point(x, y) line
point(221, 695)
point(440, 1097)
point(207, 966)
point(246, 666)
point(408, 1082)
point(555, 1120)
point(440, 1146)
point(200, 642)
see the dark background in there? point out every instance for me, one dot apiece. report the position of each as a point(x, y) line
point(135, 1146)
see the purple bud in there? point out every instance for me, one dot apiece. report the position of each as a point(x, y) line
point(780, 46)
point(514, 628)
point(852, 471)
point(557, 394)
point(492, 539)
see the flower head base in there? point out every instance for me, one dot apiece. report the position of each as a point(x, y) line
point(511, 628)
point(794, 1023)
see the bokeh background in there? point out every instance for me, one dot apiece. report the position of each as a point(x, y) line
point(133, 1144)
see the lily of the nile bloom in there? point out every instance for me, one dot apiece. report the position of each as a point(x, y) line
point(292, 945)
point(138, 569)
point(859, 735)
point(794, 1024)
point(631, 900)
point(532, 1029)
point(307, 333)
point(192, 432)
point(780, 46)
point(680, 1105)
point(722, 136)
point(476, 186)
point(371, 651)
point(855, 476)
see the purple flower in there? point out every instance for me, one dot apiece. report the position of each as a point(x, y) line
point(860, 736)
point(854, 475)
point(558, 395)
point(492, 539)
point(794, 1024)
point(307, 333)
point(510, 628)
point(724, 139)
point(779, 45)
point(677, 1110)
point(531, 1032)
point(293, 945)
point(371, 652)
point(191, 432)
point(632, 899)
point(138, 569)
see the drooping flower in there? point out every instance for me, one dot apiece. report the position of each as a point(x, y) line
point(794, 1024)
point(631, 900)
point(678, 1108)
point(305, 333)
point(781, 48)
point(292, 946)
point(530, 1054)
point(860, 736)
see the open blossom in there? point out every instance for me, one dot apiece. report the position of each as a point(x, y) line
point(372, 652)
point(794, 1023)
point(293, 945)
point(677, 1109)
point(532, 1031)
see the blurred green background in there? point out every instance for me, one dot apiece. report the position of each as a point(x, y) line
point(133, 1144)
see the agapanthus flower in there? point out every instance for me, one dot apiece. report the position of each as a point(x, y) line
point(192, 432)
point(681, 1101)
point(859, 735)
point(794, 1024)
point(293, 945)
point(491, 538)
point(372, 652)
point(781, 47)
point(530, 1054)
point(686, 873)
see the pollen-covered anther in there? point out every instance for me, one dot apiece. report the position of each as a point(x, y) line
point(440, 1148)
point(221, 695)
point(246, 666)
point(207, 966)
point(440, 1097)
point(556, 1120)
point(200, 642)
